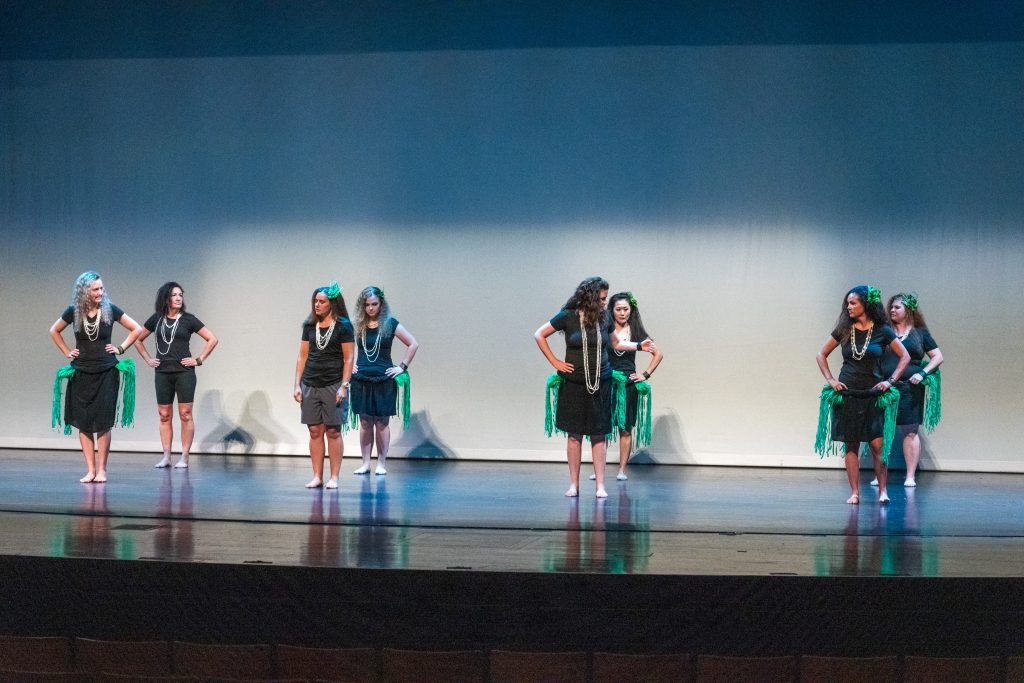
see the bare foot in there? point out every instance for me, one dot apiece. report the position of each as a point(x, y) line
point(854, 499)
point(164, 462)
point(380, 470)
point(883, 498)
point(88, 478)
point(601, 493)
point(910, 483)
point(181, 464)
point(315, 483)
point(101, 477)
point(332, 483)
point(363, 469)
point(621, 476)
point(572, 492)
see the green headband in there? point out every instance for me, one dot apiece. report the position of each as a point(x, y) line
point(909, 300)
point(874, 295)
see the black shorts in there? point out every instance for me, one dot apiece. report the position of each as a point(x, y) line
point(169, 384)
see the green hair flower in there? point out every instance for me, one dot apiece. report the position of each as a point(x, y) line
point(874, 295)
point(632, 299)
point(333, 290)
point(909, 300)
point(381, 293)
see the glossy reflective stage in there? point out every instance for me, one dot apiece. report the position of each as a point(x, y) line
point(440, 515)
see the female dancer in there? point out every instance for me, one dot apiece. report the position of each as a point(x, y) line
point(583, 381)
point(91, 401)
point(322, 374)
point(628, 327)
point(863, 334)
point(374, 387)
point(925, 358)
point(175, 366)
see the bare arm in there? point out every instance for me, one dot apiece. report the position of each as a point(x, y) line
point(541, 337)
point(897, 347)
point(58, 339)
point(134, 330)
point(410, 351)
point(140, 346)
point(822, 358)
point(656, 356)
point(934, 360)
point(300, 365)
point(211, 343)
point(347, 352)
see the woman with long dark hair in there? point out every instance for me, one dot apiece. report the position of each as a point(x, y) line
point(925, 358)
point(322, 374)
point(94, 375)
point(582, 387)
point(175, 365)
point(863, 334)
point(376, 380)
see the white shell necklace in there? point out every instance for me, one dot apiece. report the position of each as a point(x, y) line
point(622, 338)
point(92, 330)
point(166, 334)
point(321, 342)
point(595, 384)
point(373, 352)
point(857, 355)
point(903, 337)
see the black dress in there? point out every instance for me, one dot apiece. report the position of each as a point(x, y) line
point(918, 343)
point(90, 404)
point(625, 362)
point(857, 418)
point(374, 394)
point(579, 411)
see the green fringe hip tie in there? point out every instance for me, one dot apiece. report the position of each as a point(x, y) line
point(932, 384)
point(405, 398)
point(828, 402)
point(888, 403)
point(126, 401)
point(554, 383)
point(63, 375)
point(619, 381)
point(643, 415)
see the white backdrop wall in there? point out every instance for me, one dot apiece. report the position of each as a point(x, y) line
point(739, 191)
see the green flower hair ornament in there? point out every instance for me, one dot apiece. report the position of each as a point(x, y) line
point(381, 295)
point(874, 295)
point(333, 290)
point(909, 300)
point(632, 299)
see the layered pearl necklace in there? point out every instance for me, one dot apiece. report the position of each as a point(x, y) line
point(373, 352)
point(166, 335)
point(321, 342)
point(622, 338)
point(903, 337)
point(857, 355)
point(92, 330)
point(595, 384)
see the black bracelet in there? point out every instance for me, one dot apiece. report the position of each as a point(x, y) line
point(199, 361)
point(120, 350)
point(647, 375)
point(403, 366)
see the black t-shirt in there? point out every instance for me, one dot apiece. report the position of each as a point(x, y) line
point(325, 367)
point(866, 372)
point(623, 361)
point(918, 343)
point(92, 353)
point(172, 338)
point(568, 321)
point(383, 361)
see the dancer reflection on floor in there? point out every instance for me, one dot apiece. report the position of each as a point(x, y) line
point(175, 365)
point(94, 375)
point(863, 334)
point(376, 380)
point(582, 386)
point(322, 374)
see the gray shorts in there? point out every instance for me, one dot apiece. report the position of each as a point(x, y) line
point(320, 407)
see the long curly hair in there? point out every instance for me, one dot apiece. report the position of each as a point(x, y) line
point(636, 324)
point(587, 299)
point(163, 298)
point(910, 302)
point(873, 310)
point(80, 299)
point(338, 308)
point(383, 316)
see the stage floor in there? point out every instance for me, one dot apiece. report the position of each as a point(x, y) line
point(511, 517)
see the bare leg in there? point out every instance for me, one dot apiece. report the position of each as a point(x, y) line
point(853, 471)
point(102, 451)
point(316, 455)
point(574, 454)
point(382, 430)
point(365, 443)
point(166, 434)
point(625, 448)
point(89, 451)
point(881, 469)
point(912, 454)
point(599, 452)
point(335, 448)
point(188, 432)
